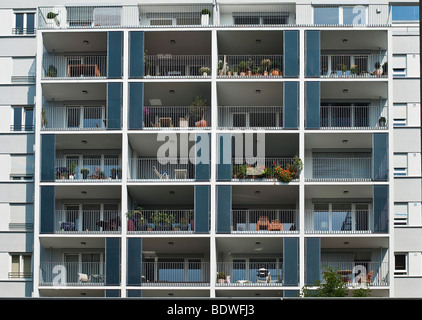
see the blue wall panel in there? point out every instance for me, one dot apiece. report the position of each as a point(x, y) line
point(312, 104)
point(291, 53)
point(47, 207)
point(291, 261)
point(114, 105)
point(112, 261)
point(48, 155)
point(313, 260)
point(134, 261)
point(115, 54)
point(224, 207)
point(202, 209)
point(136, 105)
point(291, 105)
point(136, 54)
point(312, 53)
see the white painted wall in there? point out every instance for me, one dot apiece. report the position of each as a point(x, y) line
point(7, 19)
point(404, 140)
point(407, 190)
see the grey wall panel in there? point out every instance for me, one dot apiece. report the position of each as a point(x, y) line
point(18, 46)
point(407, 189)
point(17, 95)
point(406, 90)
point(404, 140)
point(17, 143)
point(406, 44)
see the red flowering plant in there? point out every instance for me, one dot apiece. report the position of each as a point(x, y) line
point(290, 171)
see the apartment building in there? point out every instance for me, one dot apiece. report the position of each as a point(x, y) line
point(209, 148)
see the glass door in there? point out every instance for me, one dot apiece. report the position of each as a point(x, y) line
point(71, 222)
point(73, 115)
point(72, 267)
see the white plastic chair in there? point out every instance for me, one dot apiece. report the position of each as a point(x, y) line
point(163, 175)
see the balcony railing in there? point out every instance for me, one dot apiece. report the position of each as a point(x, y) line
point(74, 118)
point(72, 274)
point(76, 169)
point(74, 67)
point(340, 169)
point(253, 221)
point(168, 65)
point(353, 65)
point(183, 273)
point(250, 65)
point(161, 221)
point(338, 221)
point(262, 117)
point(353, 117)
point(259, 168)
point(87, 221)
point(360, 273)
point(247, 273)
point(151, 169)
point(177, 117)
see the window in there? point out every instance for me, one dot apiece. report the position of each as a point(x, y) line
point(400, 164)
point(405, 13)
point(21, 266)
point(262, 18)
point(399, 114)
point(399, 65)
point(24, 23)
point(400, 263)
point(400, 214)
point(343, 15)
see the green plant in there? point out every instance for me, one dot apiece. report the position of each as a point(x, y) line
point(243, 66)
point(72, 167)
point(332, 285)
point(354, 69)
point(159, 218)
point(239, 171)
point(206, 11)
point(221, 275)
point(51, 15)
point(266, 63)
point(197, 108)
point(203, 70)
point(44, 118)
point(52, 71)
point(385, 68)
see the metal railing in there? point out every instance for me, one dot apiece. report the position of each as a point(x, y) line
point(248, 273)
point(87, 221)
point(250, 65)
point(257, 14)
point(165, 170)
point(168, 65)
point(252, 221)
point(23, 31)
point(340, 169)
point(70, 67)
point(72, 273)
point(360, 273)
point(74, 118)
point(353, 65)
point(151, 221)
point(177, 117)
point(353, 117)
point(182, 273)
point(259, 168)
point(76, 169)
point(24, 127)
point(338, 221)
point(263, 117)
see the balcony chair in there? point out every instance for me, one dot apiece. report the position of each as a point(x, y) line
point(263, 276)
point(98, 174)
point(262, 223)
point(163, 175)
point(368, 278)
point(275, 225)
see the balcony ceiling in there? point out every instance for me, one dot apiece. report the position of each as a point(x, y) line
point(65, 42)
point(245, 42)
point(97, 191)
point(72, 242)
point(160, 196)
point(245, 94)
point(157, 246)
point(248, 247)
point(93, 142)
point(337, 141)
point(245, 196)
point(355, 90)
point(337, 192)
point(74, 91)
point(178, 42)
point(353, 243)
point(354, 40)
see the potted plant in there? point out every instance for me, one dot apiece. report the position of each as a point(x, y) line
point(136, 220)
point(44, 118)
point(52, 71)
point(275, 71)
point(266, 63)
point(53, 16)
point(85, 172)
point(204, 71)
point(382, 122)
point(221, 277)
point(72, 167)
point(162, 220)
point(205, 17)
point(197, 110)
point(354, 69)
point(63, 176)
point(243, 68)
point(235, 70)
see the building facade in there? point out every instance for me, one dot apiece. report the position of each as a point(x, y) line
point(209, 148)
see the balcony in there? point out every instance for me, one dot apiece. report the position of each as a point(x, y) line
point(335, 221)
point(353, 117)
point(270, 169)
point(177, 66)
point(249, 117)
point(264, 221)
point(250, 272)
point(72, 274)
point(250, 65)
point(353, 65)
point(88, 169)
point(87, 221)
point(179, 272)
point(152, 169)
point(74, 67)
point(339, 169)
point(160, 221)
point(182, 117)
point(74, 118)
point(372, 274)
